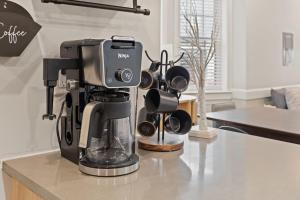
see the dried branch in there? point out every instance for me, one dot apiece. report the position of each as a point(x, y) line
point(200, 58)
point(199, 54)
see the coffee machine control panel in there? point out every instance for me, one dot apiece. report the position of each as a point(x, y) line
point(121, 63)
point(113, 63)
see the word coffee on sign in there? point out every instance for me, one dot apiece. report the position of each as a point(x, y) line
point(17, 29)
point(12, 33)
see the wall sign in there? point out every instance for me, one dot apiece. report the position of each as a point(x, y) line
point(17, 29)
point(287, 48)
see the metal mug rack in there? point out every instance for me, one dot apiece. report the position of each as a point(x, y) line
point(163, 68)
point(135, 8)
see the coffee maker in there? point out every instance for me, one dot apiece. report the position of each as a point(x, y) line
point(96, 132)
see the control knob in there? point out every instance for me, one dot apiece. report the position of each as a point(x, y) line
point(124, 75)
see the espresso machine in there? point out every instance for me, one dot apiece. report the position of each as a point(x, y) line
point(96, 131)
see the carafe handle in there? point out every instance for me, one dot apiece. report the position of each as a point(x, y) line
point(88, 113)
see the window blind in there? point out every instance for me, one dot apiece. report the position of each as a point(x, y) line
point(207, 12)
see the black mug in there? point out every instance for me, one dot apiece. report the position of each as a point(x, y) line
point(147, 123)
point(158, 101)
point(149, 80)
point(178, 78)
point(178, 122)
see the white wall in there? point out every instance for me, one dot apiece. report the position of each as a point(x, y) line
point(22, 95)
point(238, 31)
point(170, 27)
point(266, 21)
point(257, 45)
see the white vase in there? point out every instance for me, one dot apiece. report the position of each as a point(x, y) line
point(206, 134)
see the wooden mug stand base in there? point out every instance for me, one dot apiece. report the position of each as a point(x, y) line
point(168, 144)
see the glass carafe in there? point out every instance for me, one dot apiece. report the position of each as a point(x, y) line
point(107, 141)
point(113, 146)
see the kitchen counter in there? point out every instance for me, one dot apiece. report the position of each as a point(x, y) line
point(231, 167)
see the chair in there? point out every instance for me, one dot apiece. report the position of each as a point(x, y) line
point(231, 128)
point(224, 107)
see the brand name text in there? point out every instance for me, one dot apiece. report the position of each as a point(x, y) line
point(123, 56)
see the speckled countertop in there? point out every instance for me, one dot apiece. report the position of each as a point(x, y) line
point(231, 167)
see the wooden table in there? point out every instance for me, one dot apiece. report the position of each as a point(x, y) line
point(231, 167)
point(189, 104)
point(278, 124)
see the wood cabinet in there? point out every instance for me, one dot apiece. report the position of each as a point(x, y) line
point(14, 190)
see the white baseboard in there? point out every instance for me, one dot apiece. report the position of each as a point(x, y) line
point(251, 94)
point(213, 95)
point(258, 93)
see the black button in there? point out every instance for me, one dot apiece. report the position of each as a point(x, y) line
point(124, 75)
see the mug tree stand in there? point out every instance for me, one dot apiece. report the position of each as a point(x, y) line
point(169, 143)
point(162, 141)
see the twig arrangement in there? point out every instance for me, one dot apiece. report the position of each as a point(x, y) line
point(199, 55)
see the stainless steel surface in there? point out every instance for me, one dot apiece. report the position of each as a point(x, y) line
point(109, 172)
point(232, 167)
point(93, 73)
